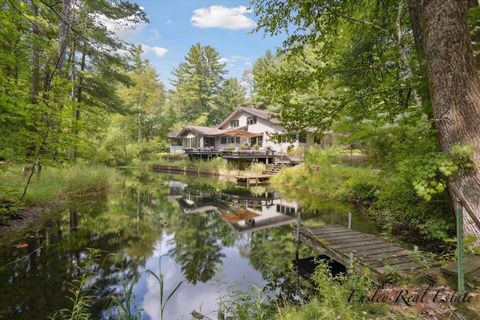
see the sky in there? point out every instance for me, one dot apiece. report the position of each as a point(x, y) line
point(175, 25)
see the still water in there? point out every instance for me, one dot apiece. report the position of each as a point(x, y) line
point(206, 236)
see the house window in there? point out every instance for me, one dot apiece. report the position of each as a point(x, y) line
point(257, 140)
point(317, 139)
point(237, 140)
point(302, 137)
point(234, 123)
point(176, 142)
point(223, 140)
point(251, 120)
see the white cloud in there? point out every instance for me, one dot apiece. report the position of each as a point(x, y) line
point(217, 16)
point(125, 29)
point(158, 51)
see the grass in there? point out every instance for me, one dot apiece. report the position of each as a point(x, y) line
point(331, 298)
point(52, 185)
point(324, 173)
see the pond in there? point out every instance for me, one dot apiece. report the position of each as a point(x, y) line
point(207, 236)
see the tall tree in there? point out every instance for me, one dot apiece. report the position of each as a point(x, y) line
point(230, 96)
point(442, 35)
point(197, 81)
point(146, 97)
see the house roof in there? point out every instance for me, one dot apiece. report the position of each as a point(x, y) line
point(172, 134)
point(207, 131)
point(264, 114)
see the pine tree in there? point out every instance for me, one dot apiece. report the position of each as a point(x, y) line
point(197, 82)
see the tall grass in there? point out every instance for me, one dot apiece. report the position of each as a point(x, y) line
point(54, 184)
point(324, 174)
point(79, 296)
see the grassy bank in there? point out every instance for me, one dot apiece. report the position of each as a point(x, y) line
point(53, 185)
point(387, 194)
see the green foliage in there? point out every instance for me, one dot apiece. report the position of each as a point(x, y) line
point(54, 102)
point(197, 82)
point(332, 299)
point(55, 184)
point(163, 297)
point(256, 167)
point(244, 305)
point(123, 305)
point(79, 296)
point(202, 96)
point(321, 174)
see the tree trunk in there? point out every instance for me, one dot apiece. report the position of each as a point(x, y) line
point(35, 61)
point(79, 96)
point(445, 39)
point(64, 30)
point(404, 55)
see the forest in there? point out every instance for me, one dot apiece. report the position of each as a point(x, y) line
point(396, 80)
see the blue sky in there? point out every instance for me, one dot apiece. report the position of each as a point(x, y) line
point(175, 25)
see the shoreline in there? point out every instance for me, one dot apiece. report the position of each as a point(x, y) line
point(201, 171)
point(30, 215)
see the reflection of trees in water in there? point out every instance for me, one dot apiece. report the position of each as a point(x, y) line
point(197, 248)
point(128, 223)
point(271, 253)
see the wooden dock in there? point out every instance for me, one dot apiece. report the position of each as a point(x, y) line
point(373, 252)
point(253, 179)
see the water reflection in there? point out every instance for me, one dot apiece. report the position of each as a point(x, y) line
point(208, 233)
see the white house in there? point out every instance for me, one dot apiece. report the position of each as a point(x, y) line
point(246, 129)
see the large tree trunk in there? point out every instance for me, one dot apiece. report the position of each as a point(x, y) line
point(441, 32)
point(64, 30)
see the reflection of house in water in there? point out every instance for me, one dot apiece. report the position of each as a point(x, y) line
point(242, 210)
point(264, 216)
point(176, 190)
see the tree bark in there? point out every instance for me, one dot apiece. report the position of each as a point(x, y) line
point(444, 37)
point(35, 61)
point(404, 55)
point(64, 30)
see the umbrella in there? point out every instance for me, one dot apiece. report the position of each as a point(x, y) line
point(241, 133)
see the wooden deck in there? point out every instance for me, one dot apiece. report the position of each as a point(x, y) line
point(253, 179)
point(373, 252)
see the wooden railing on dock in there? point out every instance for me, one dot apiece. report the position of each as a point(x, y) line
point(359, 249)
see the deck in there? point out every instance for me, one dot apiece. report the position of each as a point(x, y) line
point(227, 154)
point(373, 252)
point(253, 178)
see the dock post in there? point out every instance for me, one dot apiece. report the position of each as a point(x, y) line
point(349, 220)
point(460, 271)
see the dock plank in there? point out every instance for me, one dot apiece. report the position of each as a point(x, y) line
point(368, 250)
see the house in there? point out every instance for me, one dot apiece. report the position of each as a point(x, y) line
point(246, 133)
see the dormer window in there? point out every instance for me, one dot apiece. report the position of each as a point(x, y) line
point(234, 123)
point(251, 120)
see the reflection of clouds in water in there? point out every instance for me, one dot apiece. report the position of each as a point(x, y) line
point(202, 297)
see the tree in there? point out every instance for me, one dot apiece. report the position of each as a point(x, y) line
point(442, 36)
point(454, 108)
point(146, 98)
point(230, 96)
point(197, 82)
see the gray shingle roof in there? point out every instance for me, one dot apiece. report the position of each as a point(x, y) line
point(264, 114)
point(208, 131)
